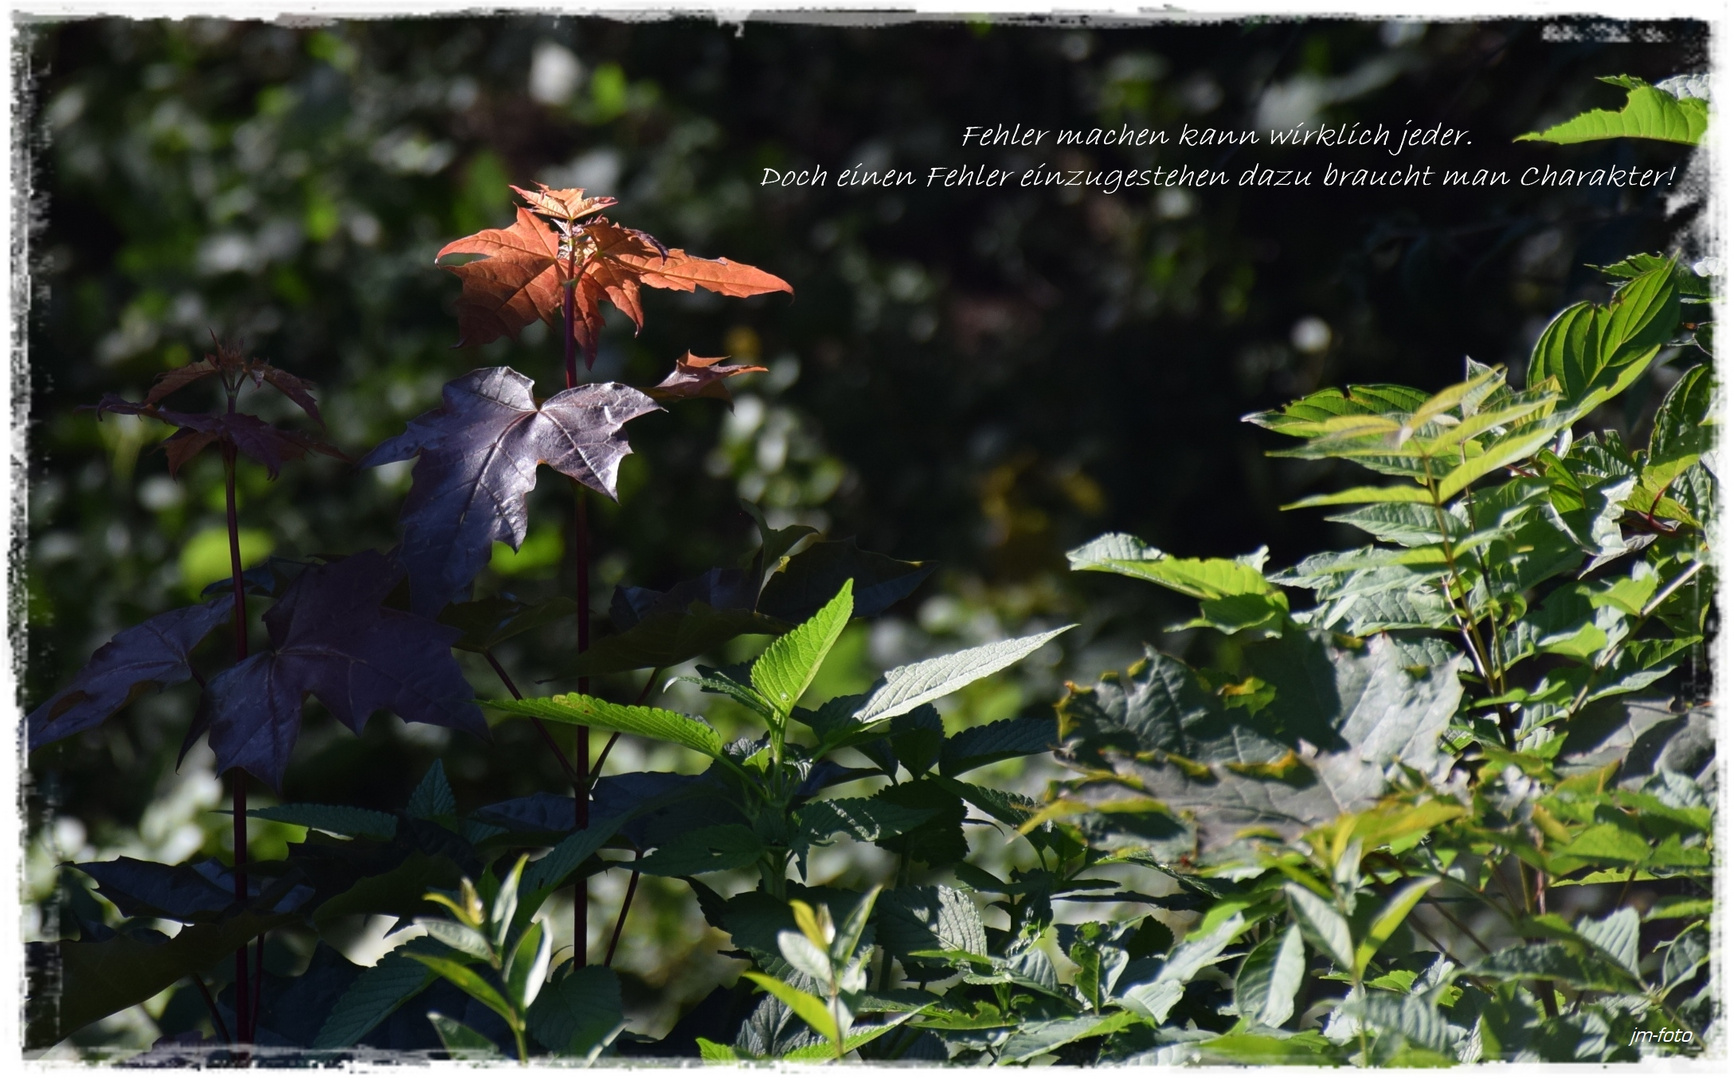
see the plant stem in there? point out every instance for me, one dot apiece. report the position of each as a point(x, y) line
point(620, 923)
point(238, 778)
point(541, 728)
point(581, 560)
point(221, 1029)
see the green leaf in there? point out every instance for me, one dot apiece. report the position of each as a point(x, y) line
point(1413, 1018)
point(716, 1053)
point(579, 1015)
point(1323, 925)
point(1685, 956)
point(99, 978)
point(860, 819)
point(1398, 493)
point(702, 851)
point(1615, 936)
point(336, 820)
point(1554, 960)
point(985, 744)
point(456, 935)
point(805, 956)
point(1269, 979)
point(1156, 998)
point(810, 579)
point(1649, 113)
point(488, 622)
point(551, 870)
point(664, 639)
point(912, 685)
point(816, 1012)
point(376, 993)
point(918, 918)
point(858, 1036)
point(462, 1042)
point(432, 798)
point(1006, 807)
point(585, 711)
point(1032, 1040)
point(1684, 427)
point(527, 969)
point(1203, 579)
point(1595, 352)
point(787, 667)
point(1390, 917)
point(1308, 1048)
point(469, 982)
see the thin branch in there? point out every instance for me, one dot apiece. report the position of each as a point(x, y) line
point(222, 1029)
point(541, 729)
point(620, 923)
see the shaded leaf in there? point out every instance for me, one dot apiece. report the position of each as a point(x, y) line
point(136, 661)
point(100, 978)
point(578, 1015)
point(985, 744)
point(331, 638)
point(812, 577)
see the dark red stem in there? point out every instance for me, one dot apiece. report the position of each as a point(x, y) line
point(541, 728)
point(581, 560)
point(237, 778)
point(620, 923)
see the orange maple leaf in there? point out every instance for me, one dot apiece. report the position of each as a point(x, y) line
point(525, 269)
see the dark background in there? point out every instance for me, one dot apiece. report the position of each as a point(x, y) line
point(982, 378)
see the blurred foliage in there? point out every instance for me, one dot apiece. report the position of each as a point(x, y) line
point(979, 377)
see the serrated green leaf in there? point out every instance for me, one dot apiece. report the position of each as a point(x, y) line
point(788, 665)
point(551, 870)
point(1413, 1018)
point(337, 820)
point(985, 744)
point(1649, 113)
point(815, 1011)
point(861, 819)
point(579, 1015)
point(432, 798)
point(1554, 960)
point(912, 685)
point(1031, 1040)
point(376, 993)
point(703, 851)
point(584, 711)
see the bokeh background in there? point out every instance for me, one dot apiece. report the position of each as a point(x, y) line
point(980, 378)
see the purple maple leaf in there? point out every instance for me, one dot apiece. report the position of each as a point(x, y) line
point(332, 638)
point(479, 452)
point(142, 658)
